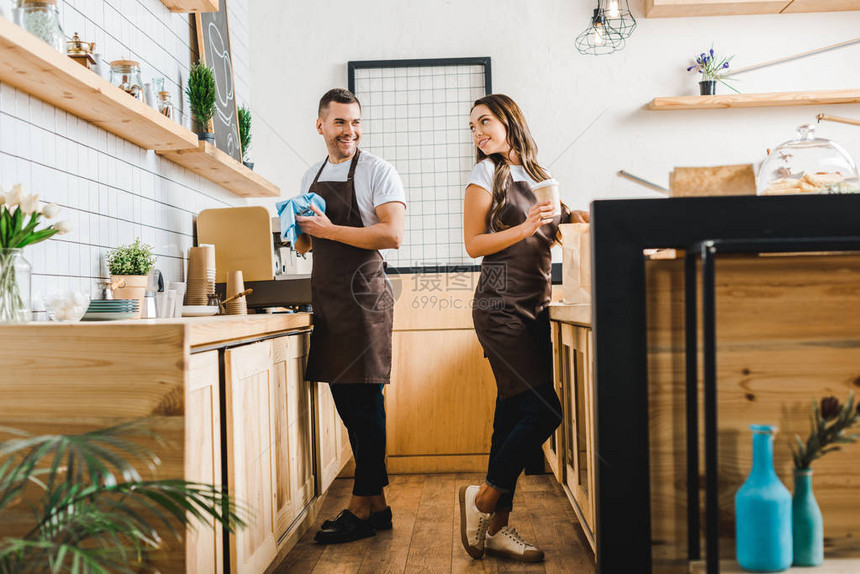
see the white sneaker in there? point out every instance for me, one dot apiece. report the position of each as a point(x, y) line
point(509, 544)
point(473, 522)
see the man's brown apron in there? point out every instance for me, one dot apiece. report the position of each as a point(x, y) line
point(352, 299)
point(511, 302)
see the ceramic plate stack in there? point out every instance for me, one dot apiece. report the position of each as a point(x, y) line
point(111, 310)
point(235, 284)
point(201, 275)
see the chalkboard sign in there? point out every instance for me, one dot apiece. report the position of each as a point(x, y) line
point(213, 42)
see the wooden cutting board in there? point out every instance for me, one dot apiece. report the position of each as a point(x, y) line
point(242, 237)
point(709, 181)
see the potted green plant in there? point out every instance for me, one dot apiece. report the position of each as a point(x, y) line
point(201, 97)
point(830, 425)
point(245, 135)
point(713, 69)
point(131, 264)
point(20, 216)
point(84, 507)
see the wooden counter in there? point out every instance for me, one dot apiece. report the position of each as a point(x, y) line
point(226, 396)
point(578, 314)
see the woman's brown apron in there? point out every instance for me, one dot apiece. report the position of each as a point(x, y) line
point(510, 311)
point(352, 299)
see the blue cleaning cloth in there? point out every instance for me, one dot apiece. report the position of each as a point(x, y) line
point(289, 209)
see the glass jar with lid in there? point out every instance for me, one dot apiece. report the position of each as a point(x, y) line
point(807, 164)
point(42, 19)
point(165, 105)
point(125, 74)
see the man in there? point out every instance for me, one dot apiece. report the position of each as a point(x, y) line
point(353, 301)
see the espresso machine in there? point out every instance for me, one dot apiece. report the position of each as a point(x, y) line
point(249, 239)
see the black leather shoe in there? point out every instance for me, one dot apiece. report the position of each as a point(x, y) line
point(380, 520)
point(345, 528)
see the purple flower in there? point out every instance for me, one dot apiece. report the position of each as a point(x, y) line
point(712, 52)
point(690, 68)
point(704, 56)
point(726, 65)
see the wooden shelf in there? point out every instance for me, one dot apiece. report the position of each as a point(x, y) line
point(215, 165)
point(36, 68)
point(773, 99)
point(830, 566)
point(698, 8)
point(185, 6)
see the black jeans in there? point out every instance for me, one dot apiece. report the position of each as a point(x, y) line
point(361, 407)
point(522, 423)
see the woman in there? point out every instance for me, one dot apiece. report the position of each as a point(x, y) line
point(504, 224)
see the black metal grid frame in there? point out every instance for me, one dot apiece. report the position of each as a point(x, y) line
point(621, 230)
point(432, 199)
point(354, 65)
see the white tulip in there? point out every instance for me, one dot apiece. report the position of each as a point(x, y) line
point(63, 227)
point(51, 210)
point(2, 196)
point(30, 204)
point(15, 196)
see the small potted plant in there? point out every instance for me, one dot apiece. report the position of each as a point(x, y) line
point(830, 423)
point(713, 69)
point(131, 263)
point(245, 135)
point(201, 97)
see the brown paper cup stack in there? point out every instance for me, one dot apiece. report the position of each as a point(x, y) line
point(235, 284)
point(201, 275)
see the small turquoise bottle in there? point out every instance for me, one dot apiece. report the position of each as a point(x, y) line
point(763, 511)
point(807, 525)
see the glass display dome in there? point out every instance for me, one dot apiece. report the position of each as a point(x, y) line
point(808, 164)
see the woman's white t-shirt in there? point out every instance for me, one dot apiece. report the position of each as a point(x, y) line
point(482, 175)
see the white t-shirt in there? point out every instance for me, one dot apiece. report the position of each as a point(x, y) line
point(376, 183)
point(482, 174)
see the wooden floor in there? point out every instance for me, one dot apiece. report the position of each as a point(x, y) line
point(426, 534)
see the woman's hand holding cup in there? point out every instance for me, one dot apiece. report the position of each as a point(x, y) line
point(539, 215)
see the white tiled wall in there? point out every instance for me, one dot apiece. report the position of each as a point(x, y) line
point(112, 190)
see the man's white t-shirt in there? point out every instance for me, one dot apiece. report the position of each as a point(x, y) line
point(482, 174)
point(376, 183)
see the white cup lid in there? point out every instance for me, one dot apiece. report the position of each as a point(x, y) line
point(544, 183)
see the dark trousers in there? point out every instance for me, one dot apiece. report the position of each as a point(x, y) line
point(361, 407)
point(522, 423)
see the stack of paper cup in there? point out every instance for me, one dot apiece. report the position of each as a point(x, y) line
point(201, 275)
point(235, 284)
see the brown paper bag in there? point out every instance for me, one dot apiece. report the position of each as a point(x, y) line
point(575, 263)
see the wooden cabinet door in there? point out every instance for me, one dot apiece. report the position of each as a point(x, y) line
point(294, 471)
point(440, 402)
point(554, 446)
point(301, 422)
point(331, 438)
point(579, 421)
point(251, 451)
point(204, 552)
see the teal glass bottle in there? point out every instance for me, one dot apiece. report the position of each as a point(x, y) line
point(763, 511)
point(806, 522)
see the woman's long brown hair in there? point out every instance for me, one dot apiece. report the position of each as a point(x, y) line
point(520, 139)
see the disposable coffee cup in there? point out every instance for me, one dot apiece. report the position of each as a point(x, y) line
point(547, 190)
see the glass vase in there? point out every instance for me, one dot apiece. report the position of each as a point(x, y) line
point(14, 287)
point(806, 521)
point(708, 87)
point(763, 511)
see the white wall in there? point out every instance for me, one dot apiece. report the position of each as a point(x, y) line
point(112, 190)
point(300, 49)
